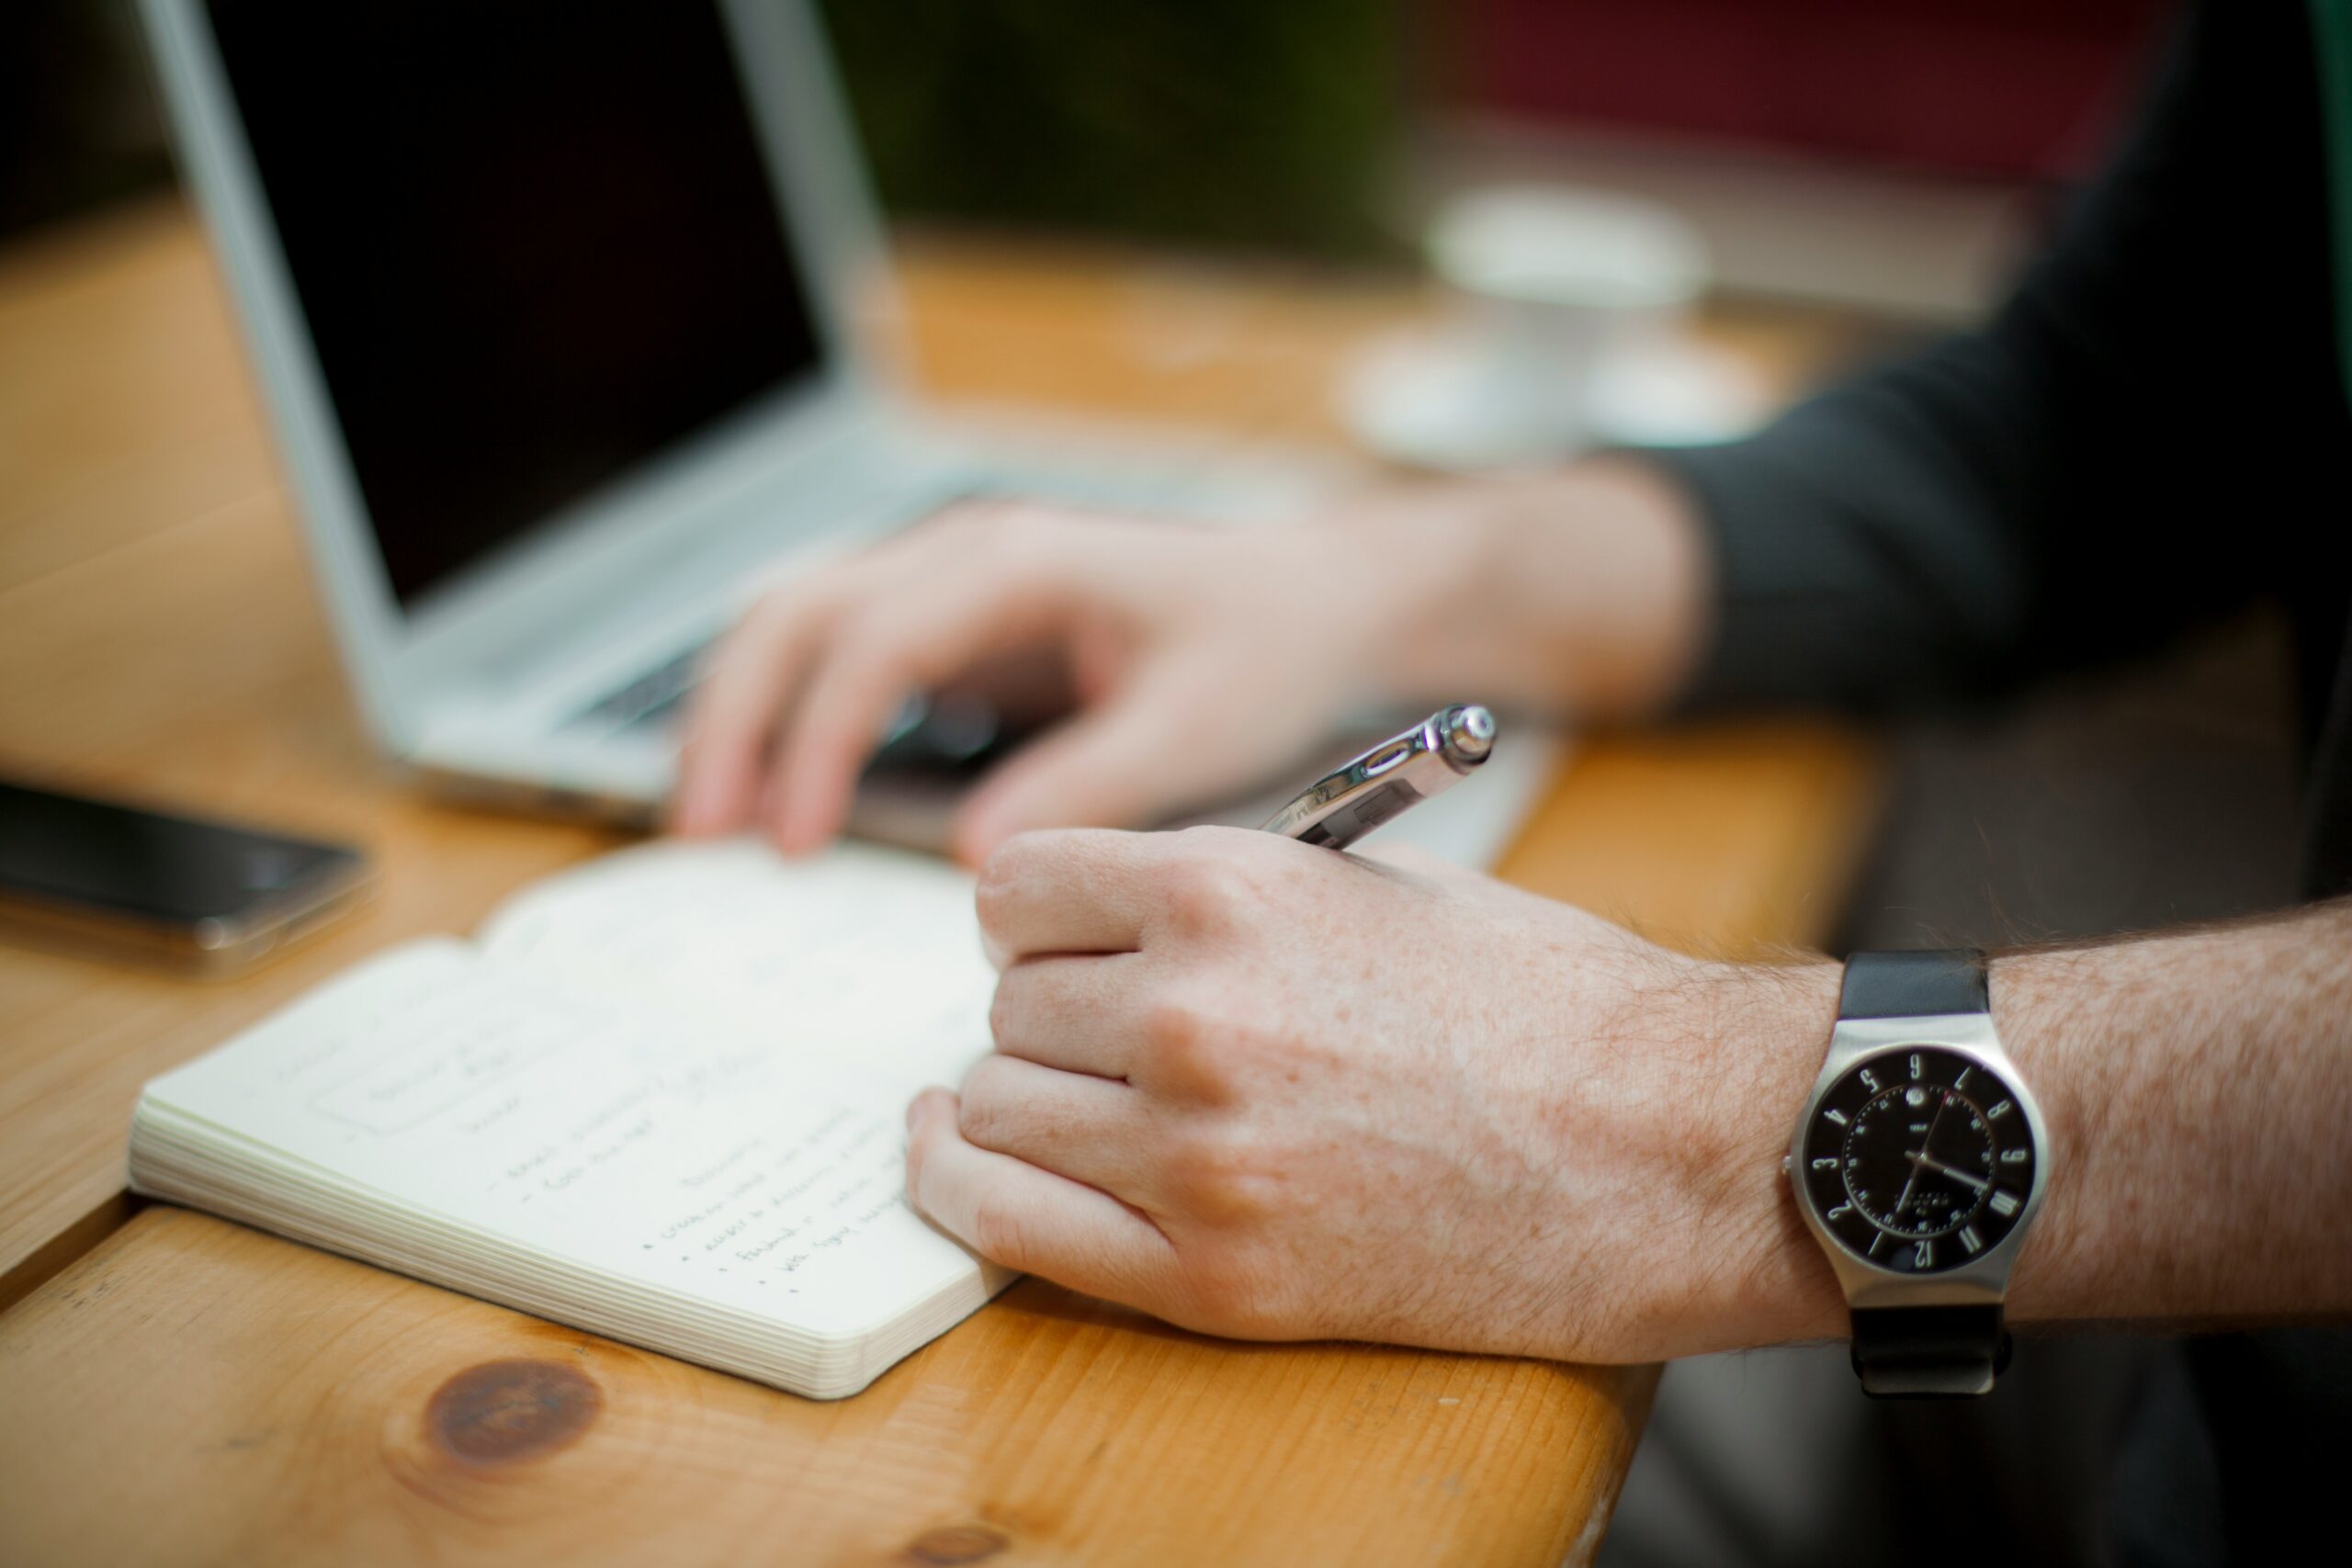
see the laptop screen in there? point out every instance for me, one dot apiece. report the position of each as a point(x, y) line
point(536, 243)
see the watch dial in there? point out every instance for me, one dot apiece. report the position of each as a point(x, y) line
point(1919, 1159)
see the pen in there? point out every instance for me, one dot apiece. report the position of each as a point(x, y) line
point(1344, 805)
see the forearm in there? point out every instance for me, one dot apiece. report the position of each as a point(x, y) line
point(2200, 1099)
point(2197, 1088)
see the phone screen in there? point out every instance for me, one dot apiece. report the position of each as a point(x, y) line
point(89, 854)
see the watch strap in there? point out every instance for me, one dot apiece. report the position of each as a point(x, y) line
point(1923, 1352)
point(1929, 1352)
point(1914, 985)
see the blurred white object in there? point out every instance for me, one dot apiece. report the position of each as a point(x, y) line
point(1568, 333)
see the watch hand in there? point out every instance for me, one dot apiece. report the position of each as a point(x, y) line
point(1936, 1165)
point(1896, 1213)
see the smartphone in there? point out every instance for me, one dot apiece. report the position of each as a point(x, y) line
point(207, 896)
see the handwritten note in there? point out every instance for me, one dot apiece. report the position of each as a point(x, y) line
point(873, 950)
point(742, 1144)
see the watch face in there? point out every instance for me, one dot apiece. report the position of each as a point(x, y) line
point(1919, 1159)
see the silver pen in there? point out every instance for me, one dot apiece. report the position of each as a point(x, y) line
point(1344, 805)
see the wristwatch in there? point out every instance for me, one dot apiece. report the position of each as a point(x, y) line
point(1919, 1163)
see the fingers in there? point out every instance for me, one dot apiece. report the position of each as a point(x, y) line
point(1024, 1217)
point(747, 679)
point(1068, 890)
point(1088, 1129)
point(1079, 1014)
point(1119, 765)
point(914, 641)
point(850, 639)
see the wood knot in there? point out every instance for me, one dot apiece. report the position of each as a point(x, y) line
point(503, 1411)
point(948, 1544)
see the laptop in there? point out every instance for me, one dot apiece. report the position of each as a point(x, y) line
point(549, 301)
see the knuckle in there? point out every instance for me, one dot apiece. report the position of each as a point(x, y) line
point(1185, 1041)
point(1002, 877)
point(1218, 840)
point(983, 1098)
point(1033, 861)
point(1204, 894)
point(1000, 1233)
point(864, 639)
point(1173, 1024)
point(1221, 1178)
point(775, 618)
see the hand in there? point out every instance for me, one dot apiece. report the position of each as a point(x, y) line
point(1202, 660)
point(1267, 1090)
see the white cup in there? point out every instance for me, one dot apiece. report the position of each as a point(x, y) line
point(1555, 281)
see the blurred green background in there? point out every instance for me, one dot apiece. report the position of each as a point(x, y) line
point(1257, 122)
point(1264, 123)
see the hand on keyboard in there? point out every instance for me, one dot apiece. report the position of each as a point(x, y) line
point(1202, 661)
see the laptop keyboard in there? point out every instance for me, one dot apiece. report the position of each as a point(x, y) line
point(652, 700)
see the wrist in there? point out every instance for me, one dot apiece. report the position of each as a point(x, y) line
point(1582, 591)
point(1752, 1274)
point(1617, 578)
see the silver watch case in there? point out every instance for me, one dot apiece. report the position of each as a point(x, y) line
point(1982, 1280)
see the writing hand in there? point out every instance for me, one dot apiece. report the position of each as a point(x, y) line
point(1269, 1090)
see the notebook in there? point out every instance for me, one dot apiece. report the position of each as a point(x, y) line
point(661, 1096)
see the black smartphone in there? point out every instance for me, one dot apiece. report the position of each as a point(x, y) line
point(203, 895)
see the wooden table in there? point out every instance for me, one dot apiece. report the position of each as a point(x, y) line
point(175, 1388)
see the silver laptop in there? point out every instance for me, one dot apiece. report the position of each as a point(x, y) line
point(549, 303)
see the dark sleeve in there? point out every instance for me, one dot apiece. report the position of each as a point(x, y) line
point(2133, 444)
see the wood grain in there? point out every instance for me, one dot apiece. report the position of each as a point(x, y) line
point(197, 1393)
point(187, 1390)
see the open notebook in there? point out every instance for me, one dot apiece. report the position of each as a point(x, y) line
point(661, 1096)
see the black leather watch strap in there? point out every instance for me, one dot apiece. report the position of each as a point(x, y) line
point(1929, 1352)
point(1913, 984)
point(1923, 1352)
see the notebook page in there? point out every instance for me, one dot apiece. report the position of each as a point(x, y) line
point(868, 954)
point(673, 1156)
